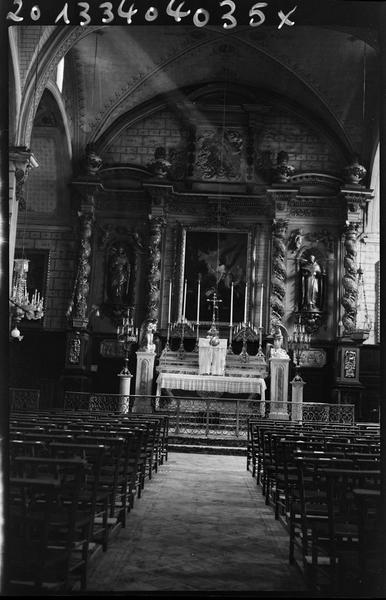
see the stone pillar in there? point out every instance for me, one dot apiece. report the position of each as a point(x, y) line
point(144, 381)
point(87, 185)
point(297, 398)
point(279, 367)
point(21, 161)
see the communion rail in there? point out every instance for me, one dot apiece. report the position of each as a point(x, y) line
point(209, 416)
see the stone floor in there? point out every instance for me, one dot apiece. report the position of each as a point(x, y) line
point(201, 525)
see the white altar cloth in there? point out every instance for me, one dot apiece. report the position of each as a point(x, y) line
point(211, 383)
point(211, 359)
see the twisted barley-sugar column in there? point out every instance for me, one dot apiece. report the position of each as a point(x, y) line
point(279, 273)
point(154, 277)
point(350, 289)
point(82, 286)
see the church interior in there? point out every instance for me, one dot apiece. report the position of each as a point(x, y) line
point(195, 301)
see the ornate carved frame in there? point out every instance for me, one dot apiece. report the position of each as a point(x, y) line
point(179, 276)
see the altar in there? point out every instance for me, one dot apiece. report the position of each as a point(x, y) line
point(211, 383)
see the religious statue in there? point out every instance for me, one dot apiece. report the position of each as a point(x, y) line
point(119, 275)
point(311, 284)
point(150, 329)
point(277, 349)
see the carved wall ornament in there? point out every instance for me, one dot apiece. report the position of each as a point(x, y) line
point(220, 154)
point(323, 236)
point(314, 212)
point(92, 163)
point(295, 240)
point(74, 349)
point(160, 166)
point(20, 176)
point(313, 358)
point(219, 212)
point(283, 170)
point(111, 349)
point(355, 172)
point(350, 364)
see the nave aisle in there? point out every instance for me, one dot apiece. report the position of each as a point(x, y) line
point(201, 525)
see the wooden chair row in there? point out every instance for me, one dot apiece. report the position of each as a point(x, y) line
point(79, 480)
point(326, 490)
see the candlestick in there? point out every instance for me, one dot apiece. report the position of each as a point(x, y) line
point(231, 313)
point(245, 303)
point(198, 302)
point(261, 304)
point(170, 301)
point(184, 304)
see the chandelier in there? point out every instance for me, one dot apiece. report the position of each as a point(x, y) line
point(363, 323)
point(22, 304)
point(299, 342)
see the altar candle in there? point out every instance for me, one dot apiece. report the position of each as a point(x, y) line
point(261, 304)
point(245, 303)
point(184, 304)
point(170, 301)
point(198, 301)
point(231, 314)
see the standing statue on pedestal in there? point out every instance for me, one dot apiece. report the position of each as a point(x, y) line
point(311, 284)
point(150, 329)
point(118, 275)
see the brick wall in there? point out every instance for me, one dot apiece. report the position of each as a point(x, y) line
point(42, 183)
point(308, 149)
point(137, 144)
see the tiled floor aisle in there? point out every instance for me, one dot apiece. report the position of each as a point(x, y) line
point(201, 525)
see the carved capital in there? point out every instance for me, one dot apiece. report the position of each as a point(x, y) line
point(23, 161)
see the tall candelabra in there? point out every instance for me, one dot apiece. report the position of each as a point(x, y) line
point(299, 342)
point(127, 334)
point(22, 305)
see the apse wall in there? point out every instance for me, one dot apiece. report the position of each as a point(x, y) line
point(309, 148)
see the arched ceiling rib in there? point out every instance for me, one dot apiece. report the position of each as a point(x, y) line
point(132, 67)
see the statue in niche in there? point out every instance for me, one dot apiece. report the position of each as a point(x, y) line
point(119, 270)
point(311, 276)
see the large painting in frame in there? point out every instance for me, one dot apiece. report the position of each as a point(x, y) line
point(217, 258)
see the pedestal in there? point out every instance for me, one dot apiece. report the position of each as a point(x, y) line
point(144, 381)
point(297, 398)
point(124, 384)
point(279, 386)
